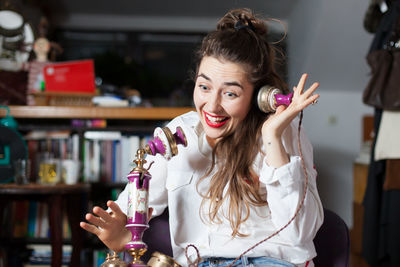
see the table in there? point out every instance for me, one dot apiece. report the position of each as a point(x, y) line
point(75, 197)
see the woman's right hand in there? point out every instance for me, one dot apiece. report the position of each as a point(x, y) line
point(280, 120)
point(109, 227)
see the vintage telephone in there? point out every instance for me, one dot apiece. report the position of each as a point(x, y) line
point(166, 143)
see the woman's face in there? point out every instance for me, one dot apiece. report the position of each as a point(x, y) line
point(222, 96)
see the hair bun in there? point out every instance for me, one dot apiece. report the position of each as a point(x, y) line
point(242, 18)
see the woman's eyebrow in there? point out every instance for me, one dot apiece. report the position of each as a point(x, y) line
point(233, 84)
point(225, 83)
point(204, 76)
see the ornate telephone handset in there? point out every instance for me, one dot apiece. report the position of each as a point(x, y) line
point(269, 98)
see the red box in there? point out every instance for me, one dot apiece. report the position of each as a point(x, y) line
point(70, 77)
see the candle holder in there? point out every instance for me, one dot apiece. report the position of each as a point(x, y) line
point(166, 144)
point(270, 98)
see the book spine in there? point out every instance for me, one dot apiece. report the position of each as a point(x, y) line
point(32, 218)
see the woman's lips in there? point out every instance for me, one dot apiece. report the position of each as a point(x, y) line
point(215, 121)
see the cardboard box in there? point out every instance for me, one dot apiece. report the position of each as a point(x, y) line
point(70, 77)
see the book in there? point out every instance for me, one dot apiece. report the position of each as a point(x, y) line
point(108, 160)
point(41, 255)
point(32, 218)
point(44, 225)
point(40, 134)
point(20, 220)
point(86, 160)
point(116, 161)
point(66, 227)
point(39, 218)
point(75, 147)
point(95, 162)
point(99, 256)
point(103, 135)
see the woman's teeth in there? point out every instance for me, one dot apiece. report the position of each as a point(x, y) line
point(215, 119)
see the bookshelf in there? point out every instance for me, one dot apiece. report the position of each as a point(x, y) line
point(133, 120)
point(72, 112)
point(56, 197)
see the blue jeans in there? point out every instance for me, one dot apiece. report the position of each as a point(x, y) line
point(245, 261)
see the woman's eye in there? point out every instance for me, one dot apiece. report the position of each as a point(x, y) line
point(230, 94)
point(203, 87)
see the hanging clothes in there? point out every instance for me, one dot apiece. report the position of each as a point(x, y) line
point(381, 231)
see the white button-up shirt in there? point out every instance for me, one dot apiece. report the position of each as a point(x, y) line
point(174, 183)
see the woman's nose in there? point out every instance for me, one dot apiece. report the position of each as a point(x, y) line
point(214, 102)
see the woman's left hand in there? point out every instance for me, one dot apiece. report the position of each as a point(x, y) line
point(277, 122)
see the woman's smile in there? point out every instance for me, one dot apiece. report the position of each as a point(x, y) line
point(215, 121)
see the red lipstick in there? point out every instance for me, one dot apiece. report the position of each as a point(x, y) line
point(214, 124)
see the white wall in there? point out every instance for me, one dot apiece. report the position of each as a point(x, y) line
point(327, 40)
point(334, 127)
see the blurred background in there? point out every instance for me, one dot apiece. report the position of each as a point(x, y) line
point(148, 46)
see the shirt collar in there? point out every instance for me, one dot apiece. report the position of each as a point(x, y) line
point(204, 147)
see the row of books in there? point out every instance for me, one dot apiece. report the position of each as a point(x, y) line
point(41, 255)
point(29, 219)
point(108, 156)
point(105, 156)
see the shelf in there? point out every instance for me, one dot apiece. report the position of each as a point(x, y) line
point(31, 240)
point(38, 189)
point(72, 112)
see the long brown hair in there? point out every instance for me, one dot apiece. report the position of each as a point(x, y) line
point(240, 38)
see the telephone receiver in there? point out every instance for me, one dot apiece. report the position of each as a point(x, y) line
point(269, 98)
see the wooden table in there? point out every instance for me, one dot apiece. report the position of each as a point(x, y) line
point(54, 196)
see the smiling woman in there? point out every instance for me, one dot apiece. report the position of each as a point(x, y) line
point(241, 177)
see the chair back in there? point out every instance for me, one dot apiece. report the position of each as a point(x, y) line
point(157, 236)
point(332, 242)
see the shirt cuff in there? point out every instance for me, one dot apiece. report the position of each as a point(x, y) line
point(285, 174)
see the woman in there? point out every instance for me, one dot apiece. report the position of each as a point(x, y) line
point(240, 178)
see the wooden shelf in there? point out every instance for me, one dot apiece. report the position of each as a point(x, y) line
point(38, 189)
point(71, 112)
